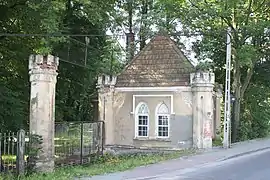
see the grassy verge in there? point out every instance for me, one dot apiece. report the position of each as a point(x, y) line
point(106, 164)
point(217, 142)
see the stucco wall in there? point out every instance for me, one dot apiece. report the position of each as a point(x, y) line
point(180, 122)
point(124, 125)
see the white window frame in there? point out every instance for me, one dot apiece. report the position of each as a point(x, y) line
point(154, 89)
point(154, 95)
point(157, 114)
point(137, 114)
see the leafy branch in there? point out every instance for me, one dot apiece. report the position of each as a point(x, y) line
point(205, 66)
point(35, 148)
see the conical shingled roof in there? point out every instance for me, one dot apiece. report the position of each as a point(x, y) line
point(160, 64)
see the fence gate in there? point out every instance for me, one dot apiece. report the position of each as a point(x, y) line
point(12, 152)
point(75, 143)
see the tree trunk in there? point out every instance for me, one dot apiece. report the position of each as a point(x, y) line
point(237, 103)
point(130, 16)
point(144, 12)
point(236, 115)
point(130, 35)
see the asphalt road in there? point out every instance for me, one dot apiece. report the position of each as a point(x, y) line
point(255, 166)
point(248, 160)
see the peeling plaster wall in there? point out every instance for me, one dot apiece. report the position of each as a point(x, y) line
point(43, 73)
point(180, 122)
point(191, 113)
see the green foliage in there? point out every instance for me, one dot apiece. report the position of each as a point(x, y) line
point(217, 142)
point(256, 116)
point(247, 54)
point(12, 113)
point(204, 66)
point(35, 142)
point(78, 69)
point(109, 158)
point(77, 76)
point(249, 22)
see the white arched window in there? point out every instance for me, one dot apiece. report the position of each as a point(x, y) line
point(162, 121)
point(142, 120)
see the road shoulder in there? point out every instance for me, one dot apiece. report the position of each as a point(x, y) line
point(209, 156)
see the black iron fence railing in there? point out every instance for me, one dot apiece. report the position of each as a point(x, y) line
point(75, 143)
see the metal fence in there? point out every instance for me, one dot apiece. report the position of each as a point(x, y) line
point(75, 143)
point(14, 148)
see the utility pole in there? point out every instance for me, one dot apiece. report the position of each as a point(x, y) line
point(227, 108)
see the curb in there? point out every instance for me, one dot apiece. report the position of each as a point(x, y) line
point(245, 153)
point(221, 156)
point(203, 165)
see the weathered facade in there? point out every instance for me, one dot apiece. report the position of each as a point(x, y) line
point(158, 100)
point(43, 77)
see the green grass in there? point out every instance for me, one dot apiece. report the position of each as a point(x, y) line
point(217, 142)
point(11, 158)
point(106, 164)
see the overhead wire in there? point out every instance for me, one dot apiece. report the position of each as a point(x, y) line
point(85, 35)
point(71, 37)
point(54, 35)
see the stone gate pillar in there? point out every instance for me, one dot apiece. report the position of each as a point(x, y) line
point(43, 74)
point(106, 89)
point(217, 120)
point(202, 84)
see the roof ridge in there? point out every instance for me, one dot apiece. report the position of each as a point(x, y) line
point(144, 49)
point(136, 56)
point(180, 52)
point(160, 63)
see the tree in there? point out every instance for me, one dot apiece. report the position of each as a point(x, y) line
point(29, 17)
point(249, 21)
point(77, 74)
point(133, 17)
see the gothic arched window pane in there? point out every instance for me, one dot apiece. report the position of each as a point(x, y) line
point(142, 120)
point(143, 109)
point(162, 120)
point(163, 109)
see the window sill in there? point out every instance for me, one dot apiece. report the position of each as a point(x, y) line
point(152, 139)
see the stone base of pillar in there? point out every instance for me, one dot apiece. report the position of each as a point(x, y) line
point(207, 143)
point(44, 166)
